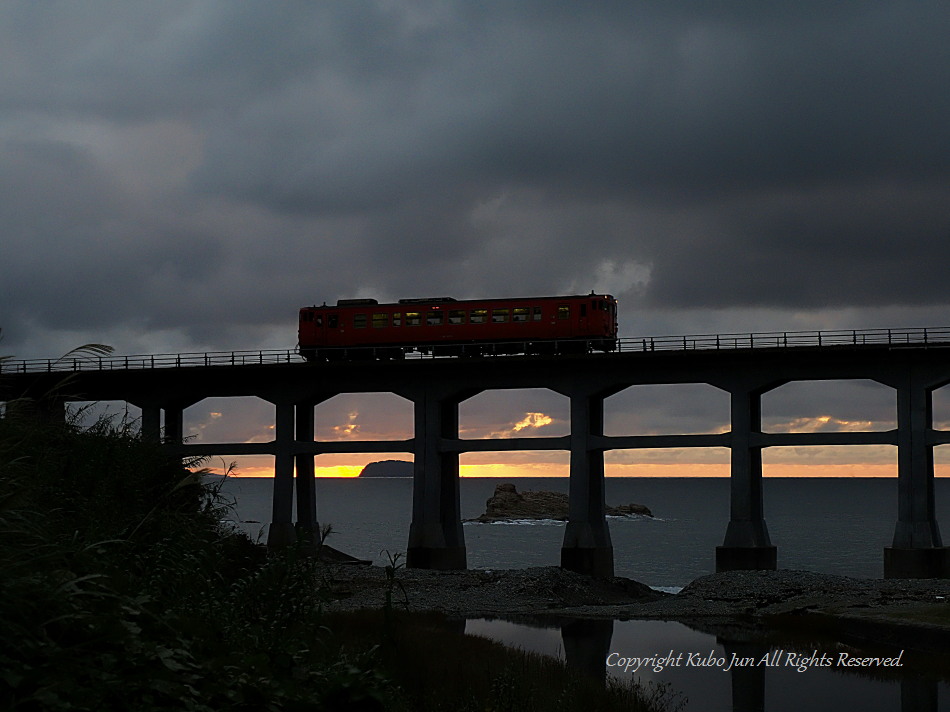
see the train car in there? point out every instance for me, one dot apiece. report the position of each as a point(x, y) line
point(364, 328)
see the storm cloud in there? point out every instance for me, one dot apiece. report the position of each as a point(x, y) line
point(183, 176)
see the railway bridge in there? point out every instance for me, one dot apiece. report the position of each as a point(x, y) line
point(913, 362)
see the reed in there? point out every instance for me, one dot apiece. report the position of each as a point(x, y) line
point(119, 588)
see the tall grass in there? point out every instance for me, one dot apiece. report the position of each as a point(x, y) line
point(119, 589)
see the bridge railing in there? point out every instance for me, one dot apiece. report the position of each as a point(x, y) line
point(919, 337)
point(143, 361)
point(790, 339)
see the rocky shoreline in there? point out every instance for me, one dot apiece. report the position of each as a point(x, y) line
point(732, 602)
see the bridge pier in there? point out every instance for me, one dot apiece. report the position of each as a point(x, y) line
point(587, 548)
point(436, 540)
point(151, 424)
point(917, 550)
point(175, 420)
point(307, 527)
point(281, 531)
point(746, 544)
point(52, 410)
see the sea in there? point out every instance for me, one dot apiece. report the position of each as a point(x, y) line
point(827, 525)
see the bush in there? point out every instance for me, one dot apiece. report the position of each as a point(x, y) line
point(120, 590)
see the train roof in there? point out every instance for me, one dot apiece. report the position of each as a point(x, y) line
point(451, 300)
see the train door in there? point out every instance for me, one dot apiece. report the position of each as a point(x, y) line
point(562, 323)
point(582, 319)
point(331, 330)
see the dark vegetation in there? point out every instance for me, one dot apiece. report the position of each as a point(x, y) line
point(121, 590)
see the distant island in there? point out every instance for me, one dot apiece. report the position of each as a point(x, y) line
point(387, 468)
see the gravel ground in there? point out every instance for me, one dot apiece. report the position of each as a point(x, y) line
point(480, 592)
point(755, 594)
point(736, 605)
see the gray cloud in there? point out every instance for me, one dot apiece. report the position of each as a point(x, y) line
point(203, 169)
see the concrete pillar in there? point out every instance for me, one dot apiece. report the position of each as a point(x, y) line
point(436, 540)
point(308, 529)
point(281, 532)
point(52, 410)
point(917, 550)
point(151, 427)
point(587, 548)
point(747, 544)
point(174, 423)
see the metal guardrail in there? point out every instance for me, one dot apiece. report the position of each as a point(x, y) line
point(148, 361)
point(791, 339)
point(919, 337)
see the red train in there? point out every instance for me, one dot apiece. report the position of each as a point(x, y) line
point(363, 328)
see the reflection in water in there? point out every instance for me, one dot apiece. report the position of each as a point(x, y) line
point(748, 681)
point(587, 644)
point(715, 674)
point(918, 694)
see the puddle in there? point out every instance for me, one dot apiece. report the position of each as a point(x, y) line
point(713, 674)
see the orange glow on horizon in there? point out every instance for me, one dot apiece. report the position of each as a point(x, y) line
point(511, 471)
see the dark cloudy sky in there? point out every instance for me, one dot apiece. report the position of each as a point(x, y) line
point(184, 175)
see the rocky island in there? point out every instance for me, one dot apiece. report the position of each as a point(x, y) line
point(387, 468)
point(508, 504)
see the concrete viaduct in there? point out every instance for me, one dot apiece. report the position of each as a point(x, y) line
point(913, 363)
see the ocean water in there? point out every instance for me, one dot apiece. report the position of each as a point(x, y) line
point(827, 525)
point(837, 526)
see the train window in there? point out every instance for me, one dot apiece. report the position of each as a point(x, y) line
point(457, 316)
point(519, 314)
point(397, 318)
point(583, 310)
point(564, 311)
point(478, 316)
point(380, 320)
point(359, 321)
point(318, 320)
point(333, 321)
point(413, 319)
point(307, 316)
point(536, 313)
point(434, 318)
point(499, 316)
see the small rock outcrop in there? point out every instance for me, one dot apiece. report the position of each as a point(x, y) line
point(508, 504)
